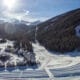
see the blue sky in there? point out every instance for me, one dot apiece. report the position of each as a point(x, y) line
point(38, 9)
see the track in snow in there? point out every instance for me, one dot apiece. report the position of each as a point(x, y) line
point(40, 74)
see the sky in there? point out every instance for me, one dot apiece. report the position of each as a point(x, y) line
point(32, 10)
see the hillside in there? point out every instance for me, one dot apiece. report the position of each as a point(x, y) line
point(59, 33)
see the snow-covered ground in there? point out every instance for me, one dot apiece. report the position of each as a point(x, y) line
point(14, 59)
point(59, 62)
point(52, 66)
point(51, 60)
point(4, 45)
point(13, 56)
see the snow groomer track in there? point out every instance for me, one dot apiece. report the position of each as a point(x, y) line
point(41, 74)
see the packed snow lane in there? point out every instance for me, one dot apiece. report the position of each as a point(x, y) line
point(25, 74)
point(66, 72)
point(59, 74)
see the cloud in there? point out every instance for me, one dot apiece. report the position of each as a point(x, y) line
point(24, 15)
point(9, 14)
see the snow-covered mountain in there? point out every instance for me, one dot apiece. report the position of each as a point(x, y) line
point(14, 26)
point(31, 23)
point(16, 21)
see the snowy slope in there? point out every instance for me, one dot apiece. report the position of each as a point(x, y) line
point(59, 67)
point(52, 60)
point(52, 67)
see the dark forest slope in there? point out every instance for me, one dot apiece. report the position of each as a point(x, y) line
point(59, 32)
